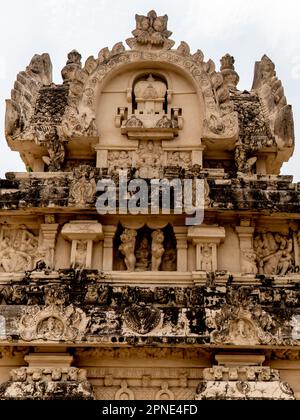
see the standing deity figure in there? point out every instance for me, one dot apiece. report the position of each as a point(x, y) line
point(81, 254)
point(206, 259)
point(157, 249)
point(142, 255)
point(127, 248)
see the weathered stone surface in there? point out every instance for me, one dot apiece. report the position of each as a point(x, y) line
point(47, 384)
point(145, 301)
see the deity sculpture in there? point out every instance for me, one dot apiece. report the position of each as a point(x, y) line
point(157, 249)
point(248, 262)
point(18, 254)
point(274, 253)
point(83, 188)
point(80, 258)
point(206, 258)
point(149, 160)
point(142, 255)
point(169, 258)
point(127, 248)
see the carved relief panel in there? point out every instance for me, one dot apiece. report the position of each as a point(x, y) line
point(18, 250)
point(275, 253)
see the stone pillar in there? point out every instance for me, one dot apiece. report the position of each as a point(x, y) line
point(102, 157)
point(108, 247)
point(49, 234)
point(82, 234)
point(197, 157)
point(261, 166)
point(38, 165)
point(247, 254)
point(206, 239)
point(182, 249)
point(245, 236)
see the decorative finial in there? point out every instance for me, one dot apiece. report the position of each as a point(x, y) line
point(74, 57)
point(230, 76)
point(227, 62)
point(72, 66)
point(151, 32)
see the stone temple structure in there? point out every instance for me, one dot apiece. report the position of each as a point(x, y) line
point(146, 306)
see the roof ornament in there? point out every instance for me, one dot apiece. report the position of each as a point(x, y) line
point(151, 32)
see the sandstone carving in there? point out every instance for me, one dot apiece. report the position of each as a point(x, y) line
point(128, 248)
point(83, 187)
point(238, 326)
point(248, 383)
point(142, 320)
point(151, 31)
point(274, 253)
point(142, 305)
point(53, 324)
point(20, 107)
point(56, 150)
point(18, 251)
point(249, 264)
point(157, 249)
point(47, 384)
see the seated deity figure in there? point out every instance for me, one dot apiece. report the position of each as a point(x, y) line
point(142, 256)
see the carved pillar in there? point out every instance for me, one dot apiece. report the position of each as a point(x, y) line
point(102, 157)
point(108, 247)
point(82, 234)
point(49, 234)
point(182, 248)
point(38, 165)
point(197, 157)
point(206, 239)
point(247, 254)
point(261, 166)
point(245, 237)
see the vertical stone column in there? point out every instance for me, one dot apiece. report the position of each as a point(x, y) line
point(197, 156)
point(49, 234)
point(182, 249)
point(108, 247)
point(206, 239)
point(102, 157)
point(247, 253)
point(245, 236)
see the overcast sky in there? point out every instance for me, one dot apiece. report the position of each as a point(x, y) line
point(246, 30)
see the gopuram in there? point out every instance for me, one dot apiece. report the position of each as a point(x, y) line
point(116, 301)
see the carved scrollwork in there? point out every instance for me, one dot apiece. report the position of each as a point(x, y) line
point(142, 319)
point(53, 323)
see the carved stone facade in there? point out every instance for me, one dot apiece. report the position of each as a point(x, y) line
point(147, 304)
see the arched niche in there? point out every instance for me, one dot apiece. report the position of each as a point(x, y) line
point(116, 91)
point(142, 247)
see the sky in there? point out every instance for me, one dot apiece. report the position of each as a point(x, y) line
point(247, 30)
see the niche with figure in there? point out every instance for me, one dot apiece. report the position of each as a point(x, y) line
point(150, 115)
point(145, 249)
